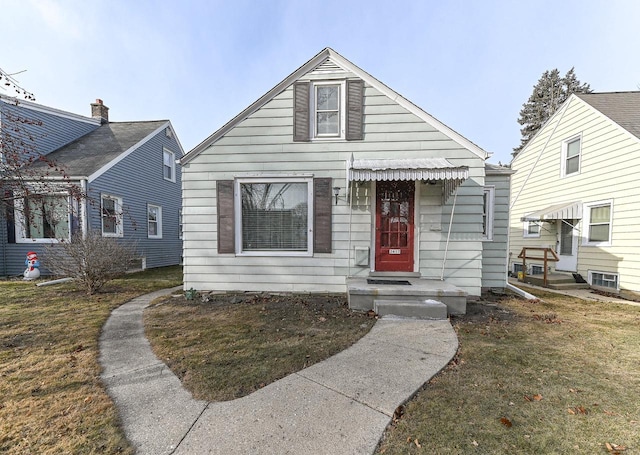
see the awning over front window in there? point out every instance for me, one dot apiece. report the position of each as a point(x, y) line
point(565, 211)
point(406, 169)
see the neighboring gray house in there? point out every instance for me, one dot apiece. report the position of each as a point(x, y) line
point(331, 180)
point(128, 171)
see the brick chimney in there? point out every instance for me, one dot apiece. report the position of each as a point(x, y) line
point(100, 111)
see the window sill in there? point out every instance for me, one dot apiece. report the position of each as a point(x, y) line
point(275, 254)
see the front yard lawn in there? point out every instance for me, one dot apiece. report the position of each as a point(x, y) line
point(51, 396)
point(554, 377)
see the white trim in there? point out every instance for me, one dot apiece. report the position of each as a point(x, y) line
point(20, 221)
point(237, 202)
point(158, 222)
point(590, 274)
point(342, 85)
point(490, 190)
point(119, 216)
point(172, 161)
point(526, 233)
point(126, 153)
point(565, 149)
point(587, 222)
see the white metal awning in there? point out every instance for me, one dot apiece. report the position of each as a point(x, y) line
point(406, 169)
point(565, 211)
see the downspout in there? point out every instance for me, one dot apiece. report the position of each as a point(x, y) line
point(350, 197)
point(84, 223)
point(446, 248)
point(509, 286)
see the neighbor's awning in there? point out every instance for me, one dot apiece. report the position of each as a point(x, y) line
point(566, 211)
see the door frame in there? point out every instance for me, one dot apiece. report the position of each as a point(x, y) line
point(416, 231)
point(567, 262)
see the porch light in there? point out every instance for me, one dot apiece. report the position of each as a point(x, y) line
point(336, 193)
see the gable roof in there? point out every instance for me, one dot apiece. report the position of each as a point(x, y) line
point(621, 107)
point(318, 60)
point(93, 153)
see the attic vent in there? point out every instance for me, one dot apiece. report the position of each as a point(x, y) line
point(168, 133)
point(328, 67)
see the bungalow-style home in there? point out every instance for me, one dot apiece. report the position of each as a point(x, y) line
point(575, 193)
point(120, 178)
point(333, 182)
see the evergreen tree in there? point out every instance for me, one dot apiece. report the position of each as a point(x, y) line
point(548, 94)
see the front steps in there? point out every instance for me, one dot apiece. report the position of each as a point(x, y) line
point(406, 299)
point(426, 309)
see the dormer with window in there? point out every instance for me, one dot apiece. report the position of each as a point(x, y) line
point(328, 110)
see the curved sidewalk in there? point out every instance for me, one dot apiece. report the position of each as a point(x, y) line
point(339, 406)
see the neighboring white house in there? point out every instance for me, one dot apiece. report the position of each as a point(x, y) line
point(576, 191)
point(331, 174)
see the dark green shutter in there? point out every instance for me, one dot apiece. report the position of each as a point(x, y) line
point(301, 119)
point(322, 205)
point(355, 96)
point(226, 220)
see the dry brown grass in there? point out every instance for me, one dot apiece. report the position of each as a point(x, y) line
point(553, 377)
point(234, 344)
point(51, 397)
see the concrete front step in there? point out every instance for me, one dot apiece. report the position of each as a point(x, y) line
point(425, 309)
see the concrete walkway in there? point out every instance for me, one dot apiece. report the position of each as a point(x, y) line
point(339, 406)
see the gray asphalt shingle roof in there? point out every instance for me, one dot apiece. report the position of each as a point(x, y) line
point(92, 151)
point(621, 107)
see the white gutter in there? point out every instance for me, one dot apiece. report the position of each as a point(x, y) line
point(520, 292)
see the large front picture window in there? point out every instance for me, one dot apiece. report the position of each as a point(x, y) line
point(44, 217)
point(275, 216)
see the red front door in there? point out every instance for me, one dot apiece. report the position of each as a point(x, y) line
point(394, 226)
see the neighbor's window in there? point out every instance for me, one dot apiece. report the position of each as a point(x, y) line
point(531, 229)
point(154, 222)
point(599, 218)
point(275, 216)
point(603, 279)
point(111, 216)
point(169, 165)
point(571, 156)
point(43, 217)
point(487, 212)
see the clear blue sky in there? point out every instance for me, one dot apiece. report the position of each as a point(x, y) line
point(471, 64)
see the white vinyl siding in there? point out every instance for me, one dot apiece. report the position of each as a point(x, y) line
point(262, 145)
point(609, 159)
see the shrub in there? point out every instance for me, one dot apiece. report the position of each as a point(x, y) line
point(91, 260)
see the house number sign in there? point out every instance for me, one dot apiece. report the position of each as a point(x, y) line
point(394, 251)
